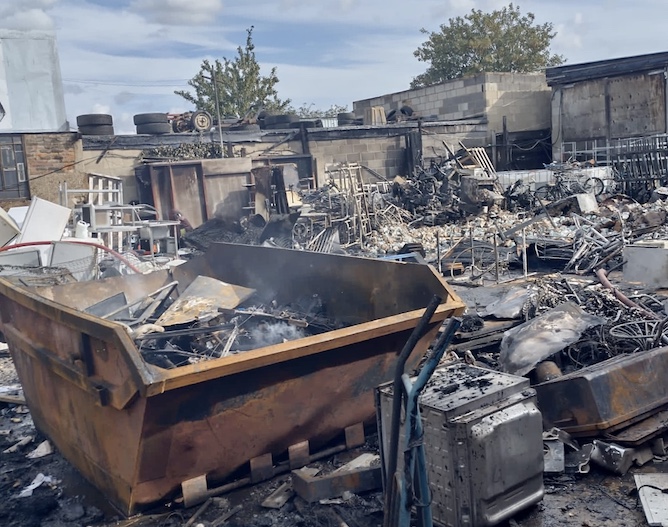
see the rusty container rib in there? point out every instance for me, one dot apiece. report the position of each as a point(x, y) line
point(137, 431)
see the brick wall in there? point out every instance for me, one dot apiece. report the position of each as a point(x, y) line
point(51, 159)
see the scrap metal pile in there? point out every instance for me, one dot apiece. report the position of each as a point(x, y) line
point(615, 327)
point(596, 357)
point(211, 319)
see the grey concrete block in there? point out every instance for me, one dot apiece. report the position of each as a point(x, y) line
point(367, 157)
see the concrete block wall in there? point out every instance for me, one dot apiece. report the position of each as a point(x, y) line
point(471, 135)
point(51, 158)
point(524, 98)
point(452, 100)
point(384, 155)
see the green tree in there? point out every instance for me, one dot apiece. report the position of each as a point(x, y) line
point(500, 41)
point(241, 87)
point(309, 111)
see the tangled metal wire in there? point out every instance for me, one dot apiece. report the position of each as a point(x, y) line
point(626, 330)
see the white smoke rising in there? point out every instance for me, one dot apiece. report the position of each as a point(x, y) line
point(275, 333)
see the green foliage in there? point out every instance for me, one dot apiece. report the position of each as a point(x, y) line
point(500, 41)
point(241, 87)
point(309, 111)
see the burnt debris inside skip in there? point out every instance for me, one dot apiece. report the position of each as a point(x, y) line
point(213, 319)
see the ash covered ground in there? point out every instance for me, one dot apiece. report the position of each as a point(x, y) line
point(595, 499)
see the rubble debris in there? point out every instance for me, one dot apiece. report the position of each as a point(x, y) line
point(12, 394)
point(553, 455)
point(577, 461)
point(374, 302)
point(198, 512)
point(39, 480)
point(42, 450)
point(555, 441)
point(226, 331)
point(345, 479)
point(280, 496)
point(652, 491)
point(619, 459)
point(511, 305)
point(19, 445)
point(202, 299)
point(524, 346)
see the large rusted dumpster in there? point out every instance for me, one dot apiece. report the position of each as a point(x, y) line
point(137, 431)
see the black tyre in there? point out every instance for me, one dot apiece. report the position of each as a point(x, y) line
point(543, 192)
point(277, 126)
point(101, 129)
point(154, 128)
point(307, 124)
point(406, 110)
point(150, 118)
point(94, 119)
point(280, 119)
point(201, 121)
point(346, 122)
point(594, 186)
point(392, 116)
point(346, 116)
point(245, 128)
point(180, 126)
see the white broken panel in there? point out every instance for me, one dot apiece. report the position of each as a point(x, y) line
point(652, 490)
point(18, 214)
point(21, 258)
point(79, 259)
point(44, 221)
point(8, 228)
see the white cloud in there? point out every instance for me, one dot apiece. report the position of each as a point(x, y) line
point(179, 12)
point(25, 19)
point(372, 56)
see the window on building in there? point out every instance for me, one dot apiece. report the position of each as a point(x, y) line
point(13, 175)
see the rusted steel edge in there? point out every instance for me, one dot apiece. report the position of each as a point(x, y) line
point(105, 394)
point(141, 373)
point(150, 380)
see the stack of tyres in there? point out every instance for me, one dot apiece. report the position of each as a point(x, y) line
point(152, 123)
point(346, 119)
point(95, 124)
point(279, 122)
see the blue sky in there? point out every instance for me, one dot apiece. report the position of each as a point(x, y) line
point(128, 56)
